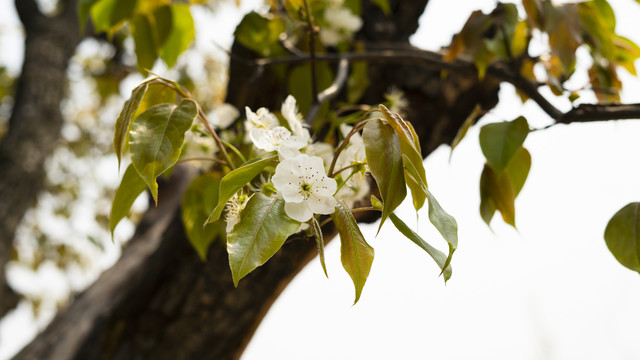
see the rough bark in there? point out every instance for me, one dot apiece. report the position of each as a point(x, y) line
point(35, 122)
point(164, 303)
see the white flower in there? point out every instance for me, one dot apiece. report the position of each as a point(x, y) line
point(290, 112)
point(355, 152)
point(305, 187)
point(330, 37)
point(223, 115)
point(342, 23)
point(397, 101)
point(277, 139)
point(356, 187)
point(234, 207)
point(342, 18)
point(321, 149)
point(263, 119)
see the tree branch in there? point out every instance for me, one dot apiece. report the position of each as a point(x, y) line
point(498, 70)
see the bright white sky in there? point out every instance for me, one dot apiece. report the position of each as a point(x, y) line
point(551, 290)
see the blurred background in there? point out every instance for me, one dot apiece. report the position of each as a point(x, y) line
point(549, 290)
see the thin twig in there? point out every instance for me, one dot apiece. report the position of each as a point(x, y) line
point(312, 51)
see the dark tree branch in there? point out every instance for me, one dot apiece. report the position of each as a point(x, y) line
point(499, 70)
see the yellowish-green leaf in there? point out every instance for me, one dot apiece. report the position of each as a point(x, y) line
point(236, 180)
point(468, 122)
point(317, 230)
point(84, 8)
point(263, 228)
point(197, 203)
point(446, 225)
point(605, 83)
point(156, 139)
point(414, 175)
point(496, 193)
point(123, 124)
point(415, 181)
point(106, 14)
point(563, 26)
point(500, 141)
point(622, 236)
point(260, 34)
point(518, 169)
point(384, 157)
point(130, 188)
point(356, 255)
point(626, 53)
point(181, 35)
point(156, 94)
point(438, 256)
point(145, 42)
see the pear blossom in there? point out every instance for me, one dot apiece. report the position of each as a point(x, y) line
point(356, 186)
point(262, 119)
point(398, 102)
point(234, 207)
point(321, 149)
point(277, 139)
point(223, 115)
point(305, 187)
point(290, 112)
point(341, 24)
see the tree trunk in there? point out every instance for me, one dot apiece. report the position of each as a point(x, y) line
point(160, 301)
point(34, 126)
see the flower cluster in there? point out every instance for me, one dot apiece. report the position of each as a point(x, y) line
point(266, 133)
point(300, 178)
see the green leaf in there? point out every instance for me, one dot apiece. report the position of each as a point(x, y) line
point(263, 228)
point(157, 93)
point(356, 255)
point(145, 42)
point(162, 23)
point(84, 8)
point(468, 122)
point(260, 34)
point(235, 180)
point(358, 81)
point(130, 188)
point(518, 169)
point(414, 173)
point(445, 224)
point(300, 85)
point(415, 182)
point(501, 141)
point(317, 230)
point(626, 53)
point(181, 35)
point(197, 202)
point(123, 124)
point(384, 157)
point(383, 5)
point(496, 193)
point(438, 256)
point(156, 139)
point(622, 236)
point(106, 14)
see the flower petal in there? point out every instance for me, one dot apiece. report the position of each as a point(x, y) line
point(321, 205)
point(298, 211)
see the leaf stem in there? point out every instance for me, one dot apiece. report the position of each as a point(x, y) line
point(362, 121)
